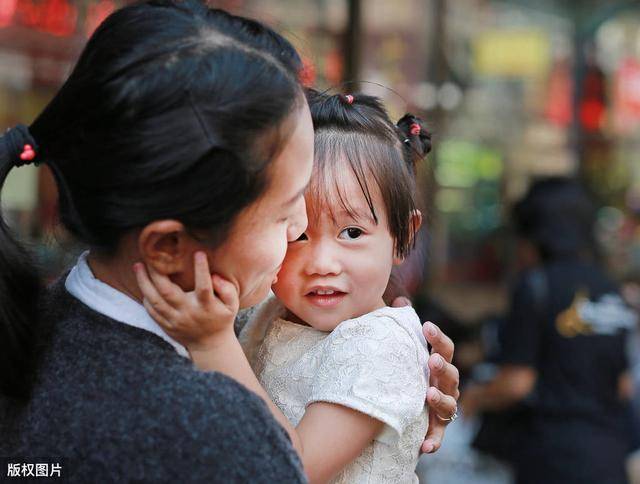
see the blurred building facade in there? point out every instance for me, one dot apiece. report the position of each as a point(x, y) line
point(512, 90)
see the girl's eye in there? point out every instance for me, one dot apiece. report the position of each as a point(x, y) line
point(350, 233)
point(303, 236)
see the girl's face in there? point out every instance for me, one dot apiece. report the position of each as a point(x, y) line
point(339, 268)
point(253, 253)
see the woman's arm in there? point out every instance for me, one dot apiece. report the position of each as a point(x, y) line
point(443, 394)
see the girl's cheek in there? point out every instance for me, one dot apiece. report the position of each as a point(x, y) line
point(290, 261)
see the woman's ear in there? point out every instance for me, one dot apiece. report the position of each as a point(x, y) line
point(415, 223)
point(166, 246)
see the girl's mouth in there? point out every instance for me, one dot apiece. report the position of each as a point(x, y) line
point(325, 298)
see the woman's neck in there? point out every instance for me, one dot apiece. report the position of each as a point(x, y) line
point(115, 271)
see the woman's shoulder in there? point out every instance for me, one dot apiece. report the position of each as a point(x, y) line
point(212, 403)
point(216, 419)
point(181, 424)
point(119, 354)
point(82, 341)
point(108, 381)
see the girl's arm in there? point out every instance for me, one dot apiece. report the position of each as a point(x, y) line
point(327, 438)
point(333, 436)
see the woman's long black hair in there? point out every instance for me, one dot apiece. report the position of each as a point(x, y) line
point(172, 111)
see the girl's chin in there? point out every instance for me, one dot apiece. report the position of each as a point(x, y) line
point(324, 325)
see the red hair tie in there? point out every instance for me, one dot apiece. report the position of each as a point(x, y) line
point(349, 99)
point(28, 153)
point(414, 129)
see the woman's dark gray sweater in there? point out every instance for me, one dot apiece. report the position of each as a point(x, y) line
point(114, 403)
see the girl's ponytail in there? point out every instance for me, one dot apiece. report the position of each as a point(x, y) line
point(20, 282)
point(416, 140)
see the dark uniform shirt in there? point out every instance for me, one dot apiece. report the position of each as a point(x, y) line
point(568, 322)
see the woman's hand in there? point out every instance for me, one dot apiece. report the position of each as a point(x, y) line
point(443, 394)
point(195, 318)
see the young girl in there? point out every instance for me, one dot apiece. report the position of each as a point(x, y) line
point(346, 370)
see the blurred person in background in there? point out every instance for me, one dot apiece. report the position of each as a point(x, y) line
point(562, 386)
point(630, 289)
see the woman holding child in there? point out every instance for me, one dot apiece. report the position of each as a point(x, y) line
point(182, 131)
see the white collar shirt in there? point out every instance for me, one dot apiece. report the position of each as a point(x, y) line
point(106, 300)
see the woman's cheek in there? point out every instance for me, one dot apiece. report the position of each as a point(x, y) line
point(274, 249)
point(282, 245)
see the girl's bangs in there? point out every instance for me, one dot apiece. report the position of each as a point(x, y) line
point(339, 156)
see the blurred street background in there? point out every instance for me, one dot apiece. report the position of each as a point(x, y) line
point(512, 90)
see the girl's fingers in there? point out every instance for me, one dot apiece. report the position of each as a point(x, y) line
point(226, 292)
point(170, 292)
point(165, 323)
point(203, 286)
point(149, 291)
point(144, 283)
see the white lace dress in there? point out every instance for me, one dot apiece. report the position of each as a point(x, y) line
point(376, 364)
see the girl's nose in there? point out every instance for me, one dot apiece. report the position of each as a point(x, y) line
point(323, 261)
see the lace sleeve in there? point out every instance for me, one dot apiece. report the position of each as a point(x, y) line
point(373, 365)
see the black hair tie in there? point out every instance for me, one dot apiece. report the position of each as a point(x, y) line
point(21, 146)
